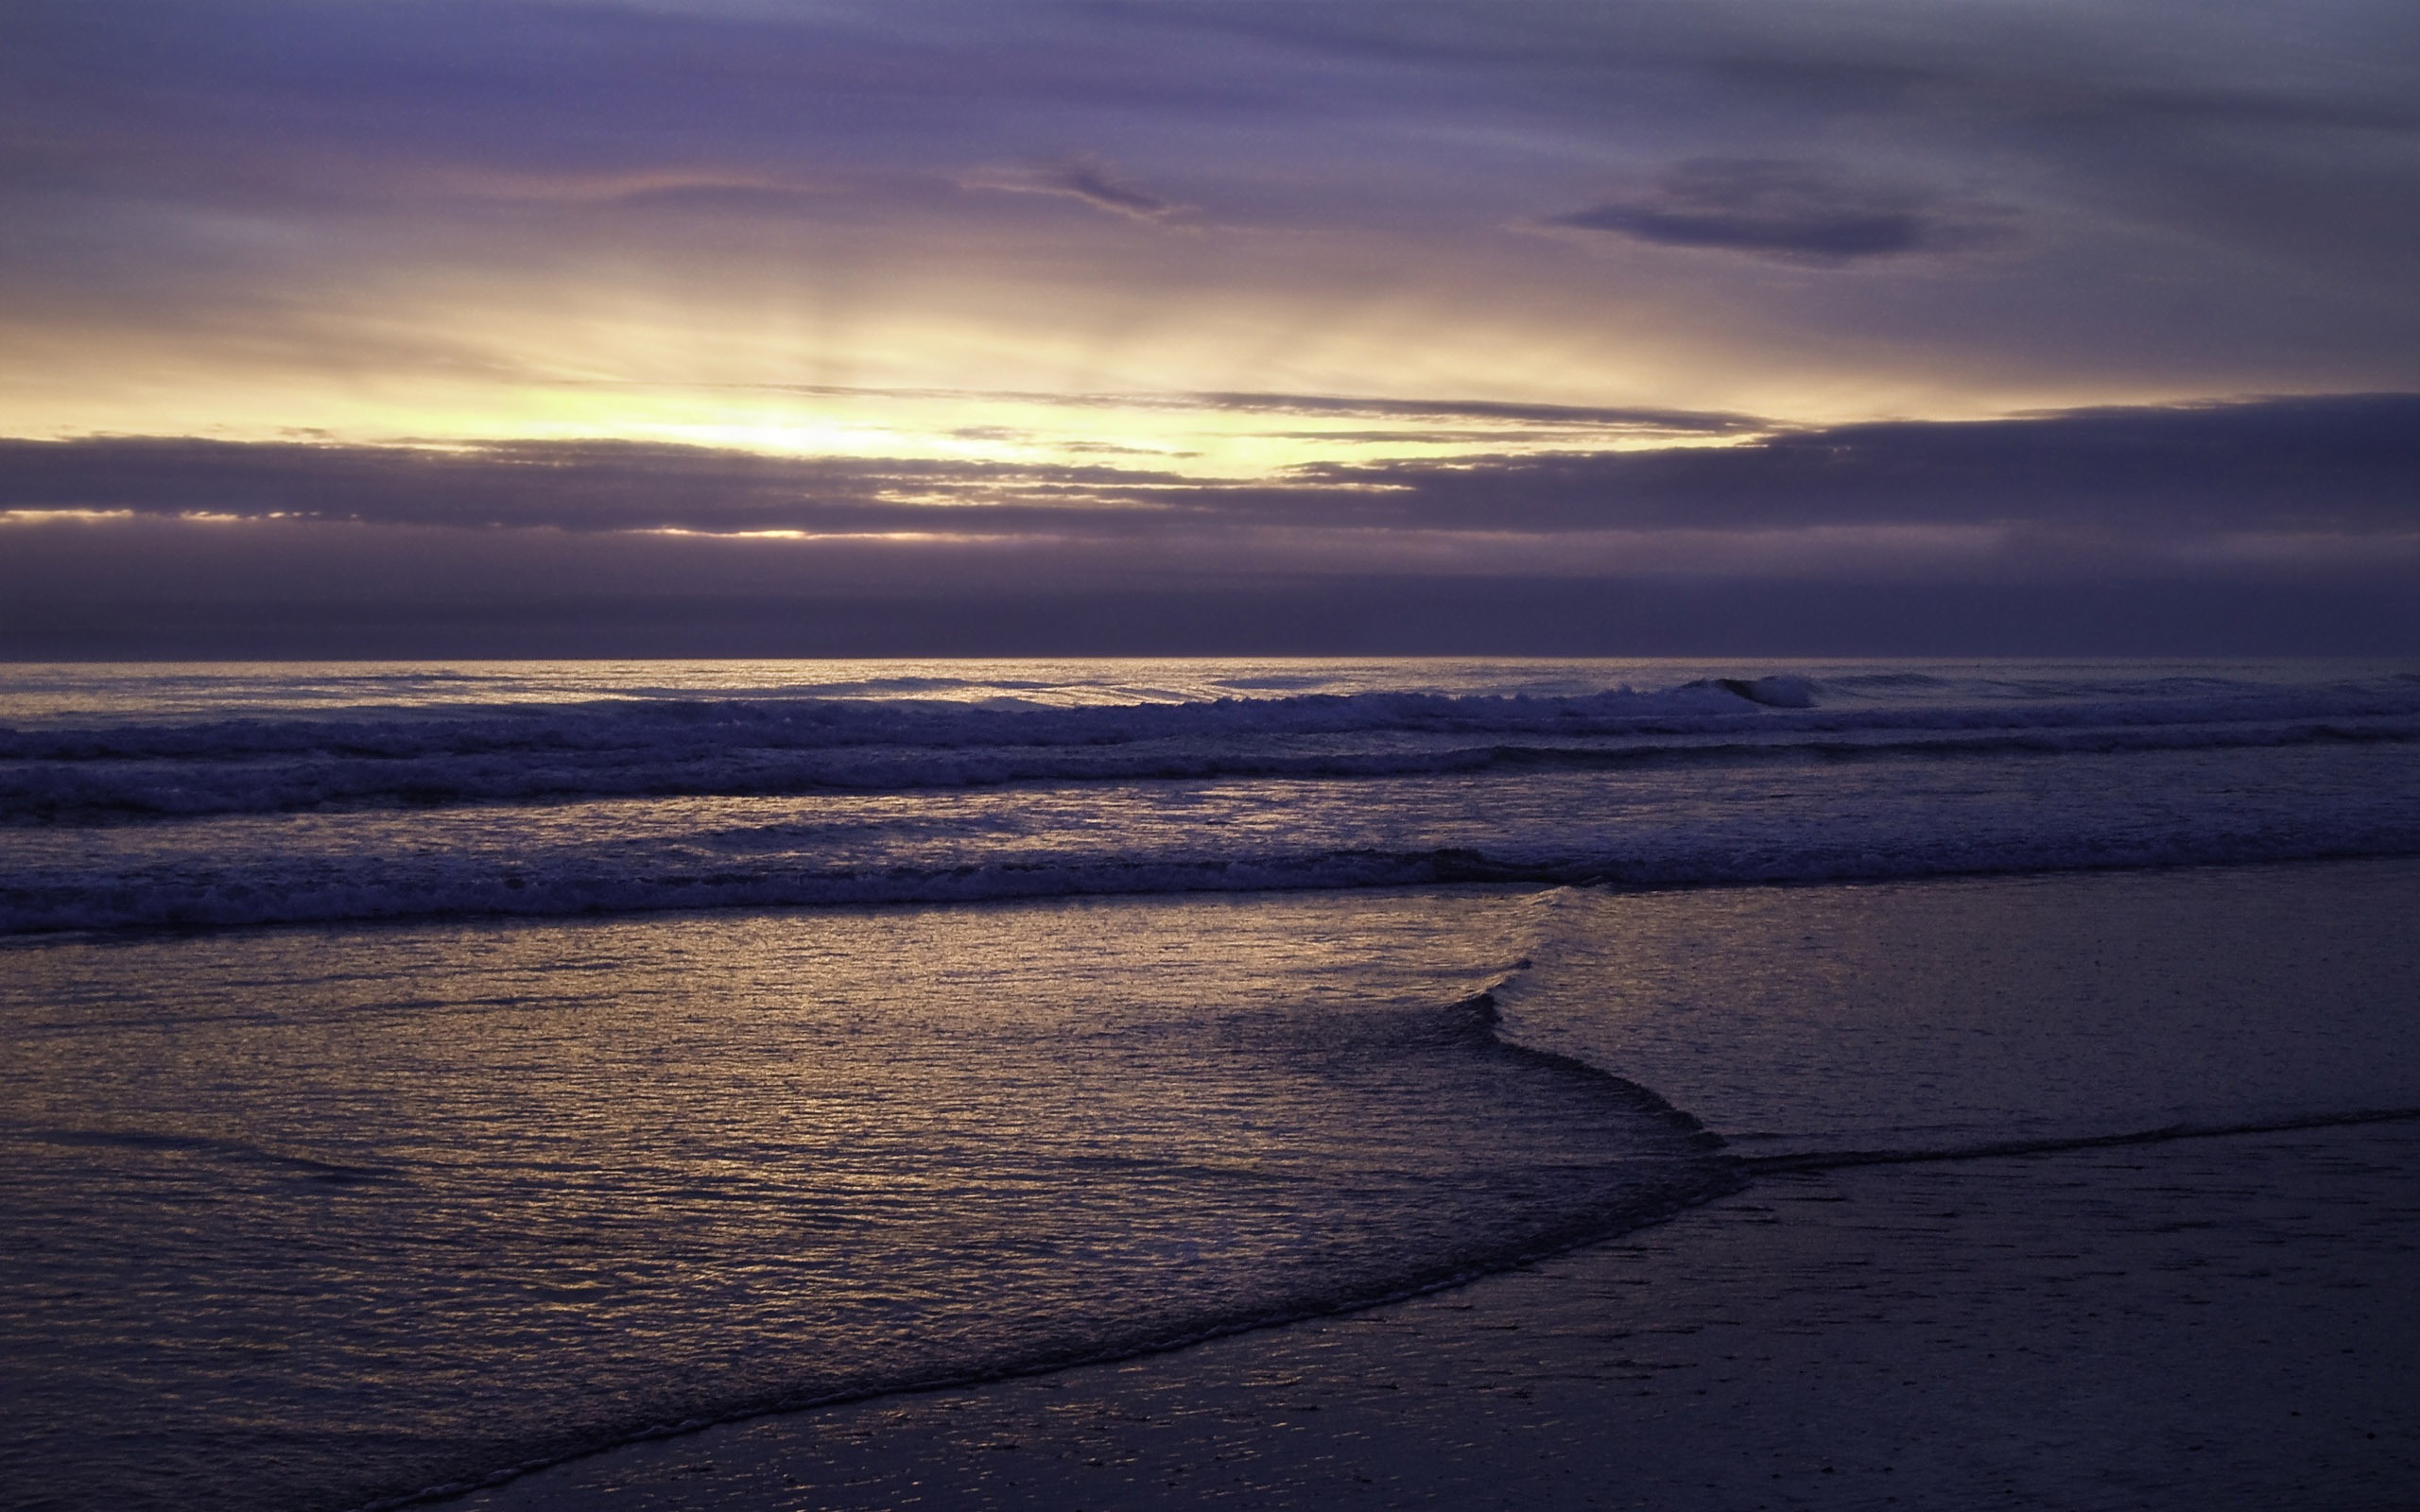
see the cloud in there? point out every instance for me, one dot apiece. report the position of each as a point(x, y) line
point(1092, 183)
point(2332, 463)
point(1586, 416)
point(577, 486)
point(2272, 525)
point(2345, 465)
point(1088, 180)
point(1576, 417)
point(1792, 211)
point(2332, 65)
point(663, 606)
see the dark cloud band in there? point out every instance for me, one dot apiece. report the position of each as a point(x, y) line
point(2342, 463)
point(1794, 212)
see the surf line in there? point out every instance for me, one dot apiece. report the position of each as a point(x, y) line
point(1837, 1159)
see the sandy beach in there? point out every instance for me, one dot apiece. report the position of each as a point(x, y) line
point(2208, 1322)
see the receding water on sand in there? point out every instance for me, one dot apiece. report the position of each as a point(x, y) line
point(2141, 1311)
point(365, 1210)
point(1933, 1017)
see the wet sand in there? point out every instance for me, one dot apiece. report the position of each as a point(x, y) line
point(2214, 1322)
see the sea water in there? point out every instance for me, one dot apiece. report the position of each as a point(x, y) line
point(418, 1073)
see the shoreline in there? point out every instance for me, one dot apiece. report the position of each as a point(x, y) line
point(2170, 1325)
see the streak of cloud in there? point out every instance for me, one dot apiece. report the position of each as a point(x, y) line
point(1792, 212)
point(2311, 466)
point(1088, 180)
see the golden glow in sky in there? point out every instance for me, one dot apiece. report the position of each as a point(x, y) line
point(936, 292)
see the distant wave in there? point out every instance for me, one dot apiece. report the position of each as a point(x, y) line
point(835, 722)
point(326, 889)
point(467, 811)
point(768, 748)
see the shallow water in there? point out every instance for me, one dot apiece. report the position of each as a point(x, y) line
point(1910, 1017)
point(366, 1211)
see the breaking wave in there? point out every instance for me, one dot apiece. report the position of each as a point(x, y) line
point(562, 806)
point(770, 747)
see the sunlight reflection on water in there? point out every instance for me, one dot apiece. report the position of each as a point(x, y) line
point(371, 1209)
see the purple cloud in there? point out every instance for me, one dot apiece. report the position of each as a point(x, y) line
point(1792, 211)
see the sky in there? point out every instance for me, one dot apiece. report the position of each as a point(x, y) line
point(681, 327)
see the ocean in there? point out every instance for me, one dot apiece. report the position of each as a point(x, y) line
point(420, 1073)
